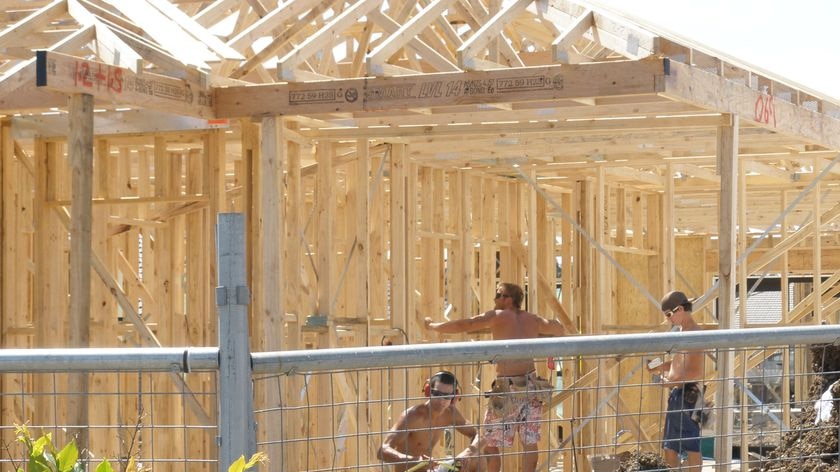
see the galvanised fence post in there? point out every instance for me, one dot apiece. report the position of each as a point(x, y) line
point(237, 431)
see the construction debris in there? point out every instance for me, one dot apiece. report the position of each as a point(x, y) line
point(638, 461)
point(807, 446)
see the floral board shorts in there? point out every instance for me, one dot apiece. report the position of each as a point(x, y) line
point(517, 407)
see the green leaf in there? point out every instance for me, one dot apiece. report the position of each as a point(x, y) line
point(49, 458)
point(42, 444)
point(68, 457)
point(238, 466)
point(104, 466)
point(22, 435)
point(39, 464)
point(257, 458)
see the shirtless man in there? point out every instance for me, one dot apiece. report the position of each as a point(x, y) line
point(682, 375)
point(508, 321)
point(420, 427)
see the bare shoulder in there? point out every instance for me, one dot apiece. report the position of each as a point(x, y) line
point(488, 316)
point(416, 413)
point(534, 316)
point(454, 414)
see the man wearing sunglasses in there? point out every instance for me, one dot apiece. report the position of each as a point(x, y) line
point(682, 374)
point(410, 441)
point(520, 407)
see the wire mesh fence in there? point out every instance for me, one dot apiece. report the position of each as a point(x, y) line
point(597, 408)
point(591, 401)
point(164, 420)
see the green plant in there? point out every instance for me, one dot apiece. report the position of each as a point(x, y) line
point(44, 457)
point(240, 465)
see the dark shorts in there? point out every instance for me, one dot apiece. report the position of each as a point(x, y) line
point(681, 432)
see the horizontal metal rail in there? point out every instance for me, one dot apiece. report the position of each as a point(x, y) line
point(167, 359)
point(289, 362)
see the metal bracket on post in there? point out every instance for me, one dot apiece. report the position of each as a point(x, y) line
point(233, 296)
point(237, 430)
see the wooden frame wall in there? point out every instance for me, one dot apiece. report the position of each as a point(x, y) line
point(375, 198)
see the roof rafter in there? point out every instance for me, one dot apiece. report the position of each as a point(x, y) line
point(271, 23)
point(322, 38)
point(36, 21)
point(182, 45)
point(560, 44)
point(407, 33)
point(280, 41)
point(480, 39)
point(189, 25)
point(109, 46)
point(434, 58)
point(23, 73)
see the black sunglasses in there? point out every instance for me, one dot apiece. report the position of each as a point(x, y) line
point(438, 393)
point(502, 295)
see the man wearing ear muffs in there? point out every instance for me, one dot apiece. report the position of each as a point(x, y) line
point(409, 443)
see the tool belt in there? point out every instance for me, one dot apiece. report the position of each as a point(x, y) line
point(507, 394)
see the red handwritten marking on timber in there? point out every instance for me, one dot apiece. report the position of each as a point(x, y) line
point(110, 78)
point(82, 75)
point(765, 109)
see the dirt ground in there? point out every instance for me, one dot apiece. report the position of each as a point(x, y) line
point(809, 448)
point(638, 461)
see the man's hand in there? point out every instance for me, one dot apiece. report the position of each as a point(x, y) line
point(427, 322)
point(424, 462)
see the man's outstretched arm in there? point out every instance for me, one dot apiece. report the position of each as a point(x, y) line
point(552, 328)
point(475, 323)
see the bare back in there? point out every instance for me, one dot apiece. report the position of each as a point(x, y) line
point(515, 324)
point(504, 323)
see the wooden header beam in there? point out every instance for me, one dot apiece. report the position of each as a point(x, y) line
point(442, 89)
point(68, 74)
point(698, 87)
point(510, 130)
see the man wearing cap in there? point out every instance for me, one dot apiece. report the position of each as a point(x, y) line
point(682, 375)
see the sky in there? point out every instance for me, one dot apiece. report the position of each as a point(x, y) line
point(796, 40)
